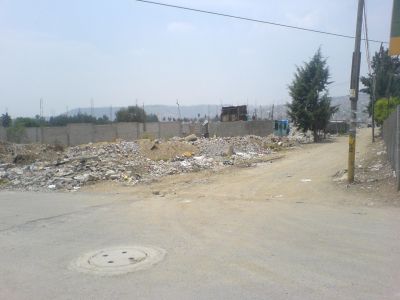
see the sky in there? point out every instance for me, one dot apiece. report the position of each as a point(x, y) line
point(117, 53)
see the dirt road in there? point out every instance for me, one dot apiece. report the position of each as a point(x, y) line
point(281, 230)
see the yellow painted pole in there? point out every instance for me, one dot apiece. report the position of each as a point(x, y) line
point(354, 85)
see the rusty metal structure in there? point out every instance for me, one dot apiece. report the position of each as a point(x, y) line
point(234, 113)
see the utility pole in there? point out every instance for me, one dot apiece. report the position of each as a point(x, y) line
point(91, 107)
point(41, 108)
point(179, 109)
point(354, 87)
point(144, 118)
point(373, 107)
point(272, 113)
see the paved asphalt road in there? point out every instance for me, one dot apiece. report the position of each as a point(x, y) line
point(255, 233)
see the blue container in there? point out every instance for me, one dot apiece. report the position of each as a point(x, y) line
point(281, 128)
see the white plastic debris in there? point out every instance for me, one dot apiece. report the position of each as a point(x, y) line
point(306, 180)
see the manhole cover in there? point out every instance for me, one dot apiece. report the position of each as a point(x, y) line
point(121, 260)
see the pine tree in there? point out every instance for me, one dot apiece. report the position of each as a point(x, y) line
point(311, 106)
point(386, 70)
point(5, 120)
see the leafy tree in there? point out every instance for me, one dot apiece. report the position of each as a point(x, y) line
point(311, 106)
point(386, 70)
point(16, 132)
point(384, 107)
point(5, 120)
point(41, 120)
point(151, 118)
point(103, 120)
point(63, 120)
point(27, 122)
point(131, 114)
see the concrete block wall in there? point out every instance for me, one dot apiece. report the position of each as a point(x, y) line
point(77, 134)
point(31, 135)
point(151, 130)
point(54, 136)
point(226, 129)
point(196, 129)
point(185, 129)
point(80, 134)
point(260, 128)
point(104, 133)
point(241, 128)
point(170, 129)
point(127, 131)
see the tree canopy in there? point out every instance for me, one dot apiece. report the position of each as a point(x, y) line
point(63, 120)
point(384, 107)
point(5, 120)
point(311, 108)
point(386, 70)
point(134, 114)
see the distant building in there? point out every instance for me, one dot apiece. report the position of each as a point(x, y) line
point(234, 113)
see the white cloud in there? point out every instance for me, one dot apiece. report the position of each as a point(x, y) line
point(180, 27)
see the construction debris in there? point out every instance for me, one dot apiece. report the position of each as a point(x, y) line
point(41, 167)
point(191, 138)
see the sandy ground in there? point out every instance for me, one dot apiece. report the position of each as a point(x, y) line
point(281, 230)
point(302, 174)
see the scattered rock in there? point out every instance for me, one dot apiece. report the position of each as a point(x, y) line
point(228, 151)
point(38, 167)
point(187, 154)
point(154, 145)
point(23, 158)
point(191, 138)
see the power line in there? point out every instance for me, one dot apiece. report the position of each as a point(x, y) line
point(371, 72)
point(367, 52)
point(254, 20)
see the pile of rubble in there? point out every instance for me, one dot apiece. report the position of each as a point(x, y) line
point(46, 168)
point(300, 137)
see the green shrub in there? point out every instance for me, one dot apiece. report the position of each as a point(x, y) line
point(384, 107)
point(16, 133)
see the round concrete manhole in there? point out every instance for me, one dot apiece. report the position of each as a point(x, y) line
point(121, 260)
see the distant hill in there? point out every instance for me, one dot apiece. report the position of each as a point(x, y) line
point(194, 111)
point(344, 107)
point(160, 110)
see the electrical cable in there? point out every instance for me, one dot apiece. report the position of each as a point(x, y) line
point(253, 20)
point(370, 71)
point(367, 50)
